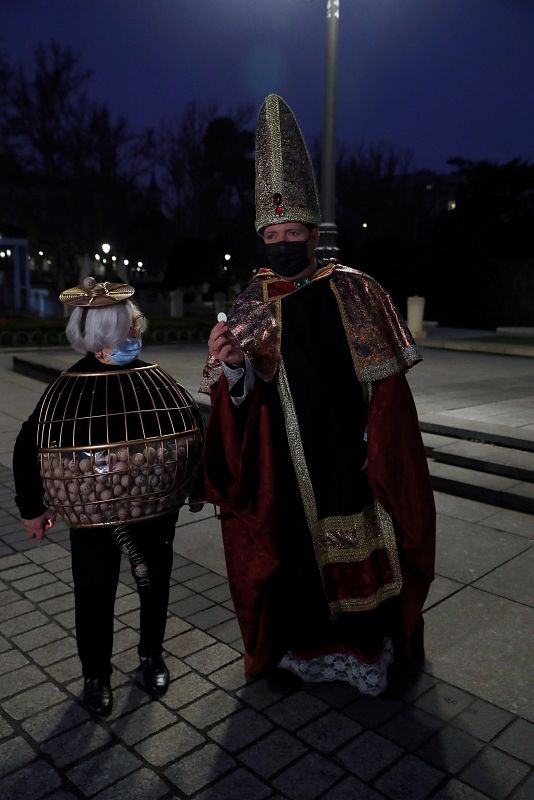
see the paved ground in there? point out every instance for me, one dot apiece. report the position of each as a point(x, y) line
point(463, 729)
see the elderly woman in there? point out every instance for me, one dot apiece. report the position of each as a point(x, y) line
point(107, 327)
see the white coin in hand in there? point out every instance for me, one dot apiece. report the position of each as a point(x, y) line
point(221, 317)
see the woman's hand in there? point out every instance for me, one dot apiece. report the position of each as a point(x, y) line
point(36, 528)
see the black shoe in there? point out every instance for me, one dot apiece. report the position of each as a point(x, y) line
point(155, 674)
point(97, 696)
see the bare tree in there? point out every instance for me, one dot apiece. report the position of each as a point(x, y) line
point(84, 174)
point(47, 111)
point(179, 148)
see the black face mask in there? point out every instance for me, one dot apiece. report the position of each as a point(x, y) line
point(287, 258)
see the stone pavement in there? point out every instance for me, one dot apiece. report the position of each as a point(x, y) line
point(461, 729)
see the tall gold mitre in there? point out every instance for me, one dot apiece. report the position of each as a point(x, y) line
point(286, 190)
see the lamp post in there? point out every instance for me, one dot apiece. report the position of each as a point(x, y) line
point(328, 243)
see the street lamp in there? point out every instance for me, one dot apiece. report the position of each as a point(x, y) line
point(328, 228)
point(106, 248)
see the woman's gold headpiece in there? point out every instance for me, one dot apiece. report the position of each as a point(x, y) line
point(93, 295)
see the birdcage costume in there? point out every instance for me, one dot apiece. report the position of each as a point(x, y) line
point(115, 445)
point(121, 445)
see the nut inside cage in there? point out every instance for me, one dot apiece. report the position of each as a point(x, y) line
point(92, 478)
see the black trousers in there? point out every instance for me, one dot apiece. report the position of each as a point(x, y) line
point(95, 570)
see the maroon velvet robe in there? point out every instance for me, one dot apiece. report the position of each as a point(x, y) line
point(241, 464)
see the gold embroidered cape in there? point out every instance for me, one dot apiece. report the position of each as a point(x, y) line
point(380, 342)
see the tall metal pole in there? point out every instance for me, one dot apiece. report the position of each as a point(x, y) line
point(328, 243)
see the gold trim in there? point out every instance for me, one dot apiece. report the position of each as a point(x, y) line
point(278, 318)
point(110, 415)
point(319, 274)
point(170, 510)
point(113, 445)
point(110, 372)
point(366, 603)
point(336, 532)
point(272, 115)
point(264, 287)
point(291, 214)
point(297, 454)
point(372, 526)
point(346, 327)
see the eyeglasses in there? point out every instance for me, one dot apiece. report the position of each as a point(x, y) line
point(137, 317)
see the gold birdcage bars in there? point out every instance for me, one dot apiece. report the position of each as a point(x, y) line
point(118, 445)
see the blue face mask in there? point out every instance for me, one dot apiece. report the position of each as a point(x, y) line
point(126, 352)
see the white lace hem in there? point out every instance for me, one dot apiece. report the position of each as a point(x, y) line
point(368, 678)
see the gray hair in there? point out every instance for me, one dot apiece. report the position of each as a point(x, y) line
point(105, 326)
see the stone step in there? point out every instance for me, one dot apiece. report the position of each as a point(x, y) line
point(456, 427)
point(494, 465)
point(32, 368)
point(485, 487)
point(480, 456)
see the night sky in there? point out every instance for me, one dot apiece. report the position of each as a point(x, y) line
point(441, 78)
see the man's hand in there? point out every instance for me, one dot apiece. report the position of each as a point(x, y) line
point(36, 528)
point(224, 346)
